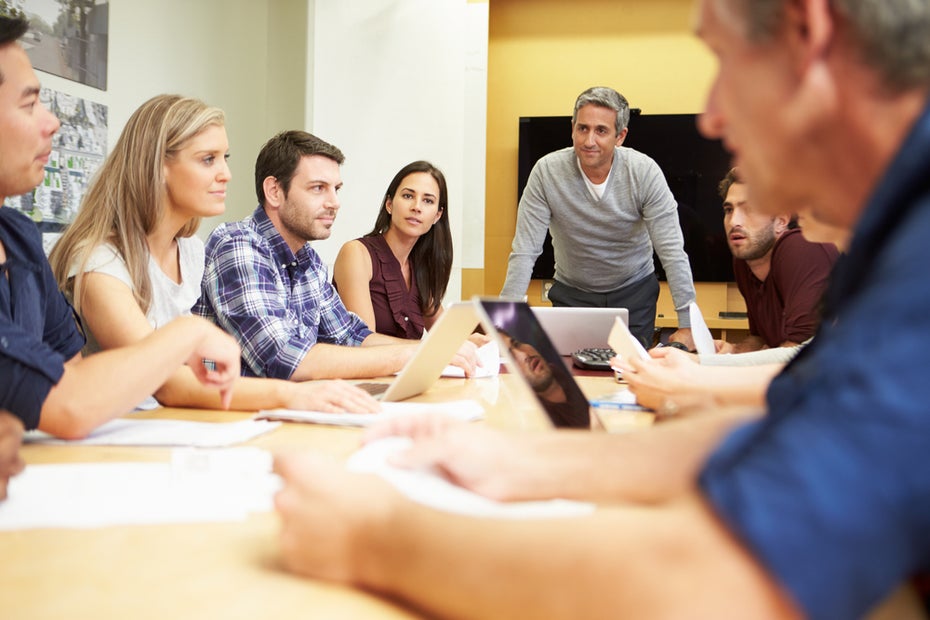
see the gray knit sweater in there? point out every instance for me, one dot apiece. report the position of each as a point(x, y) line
point(600, 245)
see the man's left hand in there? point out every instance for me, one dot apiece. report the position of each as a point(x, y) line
point(683, 335)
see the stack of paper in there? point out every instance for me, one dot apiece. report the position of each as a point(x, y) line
point(427, 487)
point(127, 432)
point(197, 485)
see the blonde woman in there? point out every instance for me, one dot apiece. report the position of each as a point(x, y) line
point(130, 262)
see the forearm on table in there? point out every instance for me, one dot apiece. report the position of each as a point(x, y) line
point(749, 344)
point(249, 394)
point(646, 466)
point(640, 562)
point(326, 361)
point(741, 385)
point(97, 388)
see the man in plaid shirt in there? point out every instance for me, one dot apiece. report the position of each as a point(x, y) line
point(266, 286)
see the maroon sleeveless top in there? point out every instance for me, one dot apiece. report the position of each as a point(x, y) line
point(397, 309)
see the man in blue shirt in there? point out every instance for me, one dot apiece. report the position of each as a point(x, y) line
point(44, 381)
point(819, 508)
point(264, 284)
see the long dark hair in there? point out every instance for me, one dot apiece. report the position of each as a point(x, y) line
point(432, 253)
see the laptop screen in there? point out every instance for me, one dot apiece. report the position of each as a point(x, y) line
point(541, 366)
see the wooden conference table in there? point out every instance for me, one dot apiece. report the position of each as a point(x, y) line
point(215, 570)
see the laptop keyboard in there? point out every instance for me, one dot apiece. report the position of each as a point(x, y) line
point(374, 389)
point(593, 359)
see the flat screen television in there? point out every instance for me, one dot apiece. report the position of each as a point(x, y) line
point(693, 166)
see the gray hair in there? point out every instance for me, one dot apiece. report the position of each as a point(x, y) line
point(892, 36)
point(606, 98)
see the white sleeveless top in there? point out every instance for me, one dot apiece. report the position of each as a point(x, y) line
point(169, 299)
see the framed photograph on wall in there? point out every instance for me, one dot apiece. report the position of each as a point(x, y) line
point(68, 38)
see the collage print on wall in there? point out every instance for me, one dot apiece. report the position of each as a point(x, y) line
point(78, 150)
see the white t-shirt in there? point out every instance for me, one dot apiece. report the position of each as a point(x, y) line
point(169, 299)
point(596, 189)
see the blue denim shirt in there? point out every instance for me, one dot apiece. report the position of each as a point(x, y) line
point(38, 328)
point(831, 490)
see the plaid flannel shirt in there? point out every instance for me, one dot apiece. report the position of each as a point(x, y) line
point(277, 304)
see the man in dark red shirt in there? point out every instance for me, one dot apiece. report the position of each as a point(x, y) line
point(780, 274)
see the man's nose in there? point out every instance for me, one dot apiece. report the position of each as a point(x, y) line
point(51, 124)
point(711, 122)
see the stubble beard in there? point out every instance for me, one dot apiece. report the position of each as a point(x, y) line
point(303, 228)
point(757, 248)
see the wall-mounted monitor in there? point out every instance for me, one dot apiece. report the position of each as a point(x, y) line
point(693, 167)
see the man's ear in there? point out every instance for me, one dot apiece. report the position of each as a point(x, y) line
point(274, 197)
point(810, 28)
point(622, 136)
point(781, 224)
point(810, 39)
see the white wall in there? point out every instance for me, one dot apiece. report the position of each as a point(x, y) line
point(476, 115)
point(387, 81)
point(215, 50)
point(389, 87)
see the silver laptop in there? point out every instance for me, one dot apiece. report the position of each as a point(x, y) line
point(572, 329)
point(422, 370)
point(530, 355)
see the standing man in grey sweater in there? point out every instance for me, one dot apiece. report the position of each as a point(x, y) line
point(607, 207)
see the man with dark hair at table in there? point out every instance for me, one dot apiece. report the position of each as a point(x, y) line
point(780, 274)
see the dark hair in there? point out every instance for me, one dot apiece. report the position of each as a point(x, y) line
point(281, 155)
point(12, 27)
point(432, 253)
point(731, 178)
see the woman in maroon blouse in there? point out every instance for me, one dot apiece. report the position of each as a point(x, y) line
point(394, 277)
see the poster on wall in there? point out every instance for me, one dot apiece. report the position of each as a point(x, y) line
point(78, 150)
point(68, 38)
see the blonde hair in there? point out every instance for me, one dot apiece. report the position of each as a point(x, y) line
point(126, 199)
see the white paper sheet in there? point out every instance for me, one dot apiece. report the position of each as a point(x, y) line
point(490, 357)
point(128, 432)
point(431, 489)
point(466, 410)
point(624, 343)
point(703, 340)
point(196, 486)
